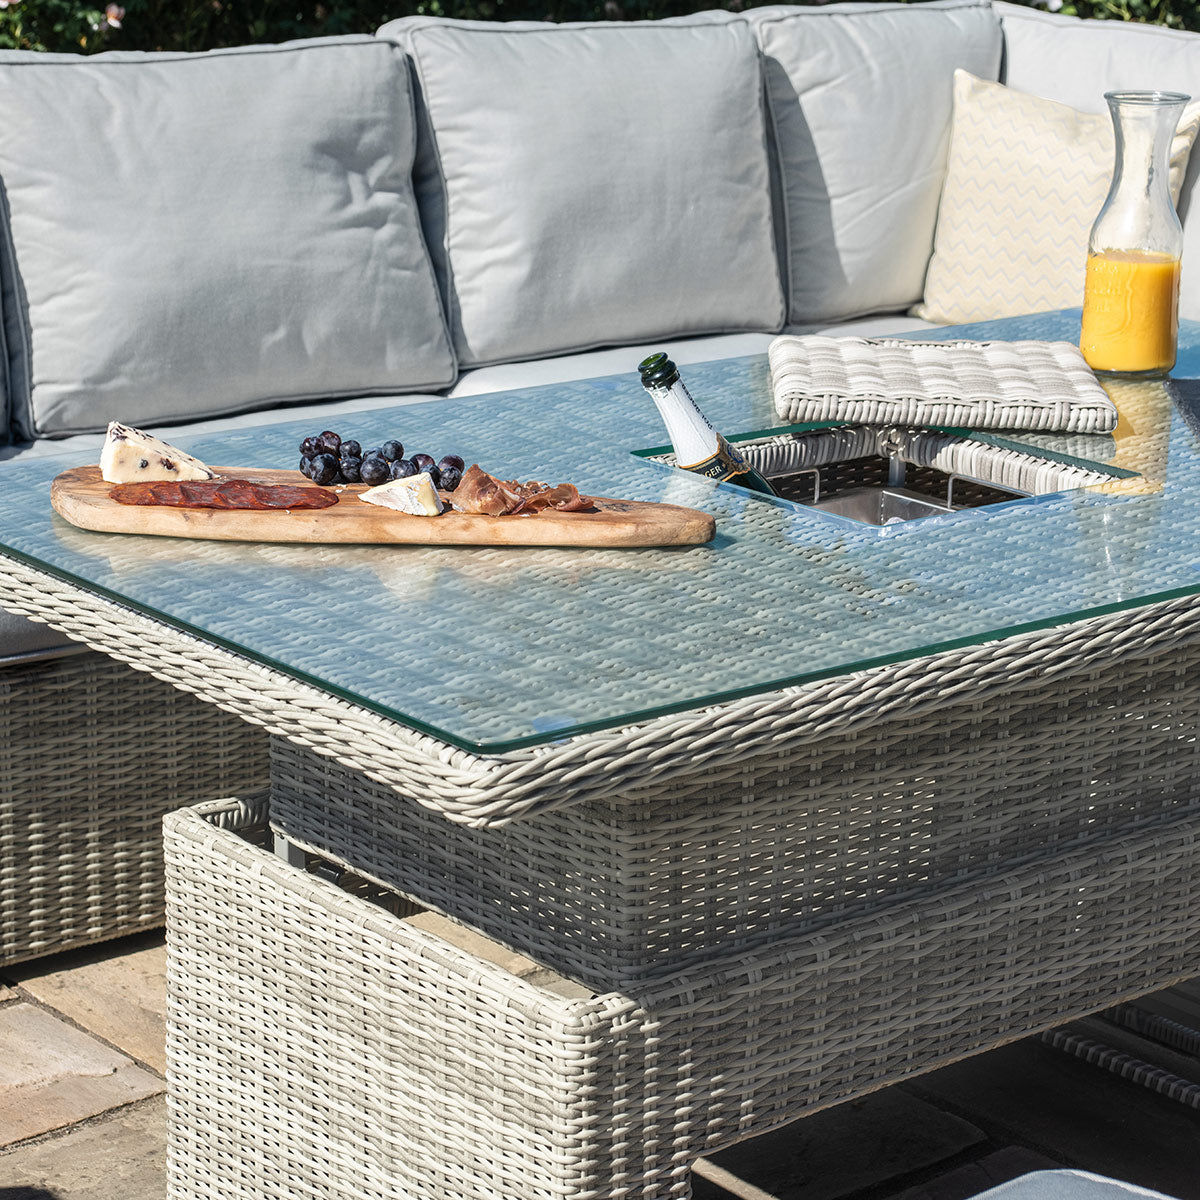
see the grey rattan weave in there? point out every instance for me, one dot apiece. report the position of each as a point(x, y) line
point(321, 1047)
point(94, 755)
point(492, 789)
point(629, 885)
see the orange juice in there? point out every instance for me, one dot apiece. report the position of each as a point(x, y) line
point(1130, 311)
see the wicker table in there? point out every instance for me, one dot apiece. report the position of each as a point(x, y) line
point(920, 791)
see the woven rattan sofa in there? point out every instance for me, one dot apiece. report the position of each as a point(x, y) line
point(444, 208)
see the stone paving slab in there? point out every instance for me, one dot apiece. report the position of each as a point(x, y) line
point(52, 1074)
point(839, 1152)
point(121, 1157)
point(966, 1182)
point(1030, 1095)
point(119, 998)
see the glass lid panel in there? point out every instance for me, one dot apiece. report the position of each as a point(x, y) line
point(496, 648)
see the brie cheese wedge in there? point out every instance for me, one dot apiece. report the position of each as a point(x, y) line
point(414, 494)
point(132, 456)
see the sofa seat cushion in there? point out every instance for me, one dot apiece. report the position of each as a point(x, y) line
point(192, 235)
point(1075, 62)
point(860, 103)
point(22, 639)
point(587, 185)
point(326, 414)
point(623, 360)
point(339, 415)
point(1025, 180)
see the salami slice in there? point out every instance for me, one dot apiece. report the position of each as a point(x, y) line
point(222, 493)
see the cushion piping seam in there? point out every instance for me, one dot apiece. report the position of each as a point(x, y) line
point(453, 314)
point(411, 195)
point(202, 56)
point(13, 419)
point(906, 9)
point(611, 344)
point(438, 24)
point(1089, 26)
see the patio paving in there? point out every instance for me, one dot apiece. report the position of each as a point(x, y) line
point(83, 1113)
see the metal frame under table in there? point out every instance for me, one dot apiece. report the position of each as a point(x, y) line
point(1017, 822)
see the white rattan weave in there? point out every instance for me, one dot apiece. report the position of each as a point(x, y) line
point(981, 385)
point(321, 1047)
point(1004, 466)
point(491, 789)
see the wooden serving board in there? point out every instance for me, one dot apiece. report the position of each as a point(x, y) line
point(81, 496)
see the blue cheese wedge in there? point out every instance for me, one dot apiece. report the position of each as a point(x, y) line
point(133, 456)
point(414, 494)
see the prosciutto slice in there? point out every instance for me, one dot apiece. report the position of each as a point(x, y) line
point(479, 492)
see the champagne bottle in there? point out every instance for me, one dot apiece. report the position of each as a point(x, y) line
point(698, 446)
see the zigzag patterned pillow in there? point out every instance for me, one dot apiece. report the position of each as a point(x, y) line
point(1024, 182)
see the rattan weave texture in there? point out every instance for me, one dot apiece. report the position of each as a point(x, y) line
point(320, 1047)
point(485, 790)
point(622, 887)
point(1031, 385)
point(1004, 466)
point(94, 755)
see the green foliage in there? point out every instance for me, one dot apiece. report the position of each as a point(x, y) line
point(50, 25)
point(83, 26)
point(1178, 14)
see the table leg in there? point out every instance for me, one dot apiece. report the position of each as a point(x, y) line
point(288, 851)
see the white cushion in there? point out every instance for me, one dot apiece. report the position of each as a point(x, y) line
point(1025, 180)
point(593, 184)
point(1076, 62)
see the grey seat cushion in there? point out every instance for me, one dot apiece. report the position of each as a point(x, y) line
point(588, 185)
point(191, 235)
point(1075, 62)
point(623, 360)
point(21, 639)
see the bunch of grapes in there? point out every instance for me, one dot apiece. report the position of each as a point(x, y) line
point(326, 460)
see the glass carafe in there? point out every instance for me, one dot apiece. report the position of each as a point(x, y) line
point(1131, 297)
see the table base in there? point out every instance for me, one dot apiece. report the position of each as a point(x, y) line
point(320, 1045)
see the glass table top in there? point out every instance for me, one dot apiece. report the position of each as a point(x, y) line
point(493, 649)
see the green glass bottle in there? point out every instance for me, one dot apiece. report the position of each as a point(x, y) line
point(698, 446)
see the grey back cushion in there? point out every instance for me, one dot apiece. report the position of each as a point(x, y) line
point(1075, 62)
point(861, 102)
point(192, 235)
point(593, 184)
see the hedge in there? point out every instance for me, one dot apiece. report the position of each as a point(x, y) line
point(74, 26)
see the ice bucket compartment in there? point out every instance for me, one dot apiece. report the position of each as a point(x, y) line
point(885, 475)
point(880, 505)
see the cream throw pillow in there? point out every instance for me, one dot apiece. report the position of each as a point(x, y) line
point(1024, 182)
